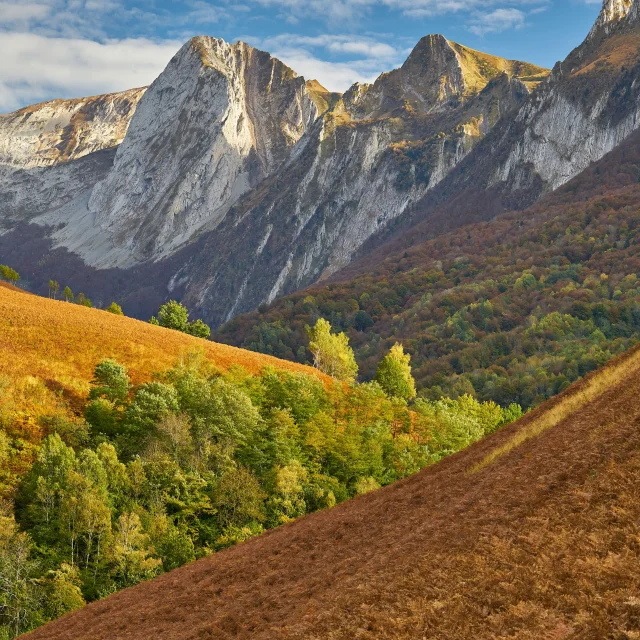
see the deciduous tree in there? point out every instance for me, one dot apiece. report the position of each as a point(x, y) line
point(394, 374)
point(331, 352)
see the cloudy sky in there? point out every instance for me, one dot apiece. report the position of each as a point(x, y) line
point(72, 48)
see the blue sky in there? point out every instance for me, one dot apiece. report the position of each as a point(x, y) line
point(71, 48)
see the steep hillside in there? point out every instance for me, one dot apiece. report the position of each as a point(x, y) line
point(511, 310)
point(127, 450)
point(60, 343)
point(530, 533)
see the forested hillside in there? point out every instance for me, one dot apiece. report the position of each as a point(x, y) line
point(512, 310)
point(531, 533)
point(127, 449)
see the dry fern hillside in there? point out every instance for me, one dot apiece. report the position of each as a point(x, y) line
point(49, 349)
point(530, 533)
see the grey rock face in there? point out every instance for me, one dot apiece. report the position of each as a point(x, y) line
point(362, 165)
point(587, 107)
point(217, 121)
point(52, 151)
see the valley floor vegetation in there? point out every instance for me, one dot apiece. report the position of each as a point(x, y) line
point(151, 476)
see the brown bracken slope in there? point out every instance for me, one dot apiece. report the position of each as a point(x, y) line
point(532, 533)
point(62, 342)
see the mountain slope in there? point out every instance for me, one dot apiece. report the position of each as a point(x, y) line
point(51, 151)
point(58, 344)
point(241, 181)
point(511, 310)
point(588, 106)
point(529, 533)
point(362, 165)
point(217, 121)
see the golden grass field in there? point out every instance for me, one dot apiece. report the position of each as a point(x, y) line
point(49, 349)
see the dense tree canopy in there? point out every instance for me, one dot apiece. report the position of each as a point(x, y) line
point(170, 470)
point(512, 310)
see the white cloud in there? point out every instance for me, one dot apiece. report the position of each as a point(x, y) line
point(497, 21)
point(339, 10)
point(314, 57)
point(21, 13)
point(35, 67)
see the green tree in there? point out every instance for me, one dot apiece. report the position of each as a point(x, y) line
point(199, 329)
point(238, 499)
point(394, 374)
point(82, 300)
point(331, 352)
point(8, 274)
point(132, 552)
point(54, 287)
point(62, 591)
point(115, 308)
point(110, 381)
point(67, 294)
point(173, 315)
point(20, 599)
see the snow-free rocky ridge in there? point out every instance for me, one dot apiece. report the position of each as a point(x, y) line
point(587, 107)
point(238, 181)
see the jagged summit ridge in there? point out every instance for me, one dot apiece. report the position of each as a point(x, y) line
point(438, 74)
point(615, 15)
point(216, 122)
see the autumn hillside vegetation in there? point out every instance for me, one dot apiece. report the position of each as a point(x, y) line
point(128, 449)
point(511, 310)
point(529, 533)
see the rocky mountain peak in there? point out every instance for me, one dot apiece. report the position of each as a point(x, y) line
point(613, 11)
point(438, 75)
point(430, 78)
point(213, 125)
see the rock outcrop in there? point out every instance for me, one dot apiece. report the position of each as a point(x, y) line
point(217, 121)
point(54, 150)
point(586, 108)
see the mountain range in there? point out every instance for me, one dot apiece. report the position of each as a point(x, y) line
point(231, 180)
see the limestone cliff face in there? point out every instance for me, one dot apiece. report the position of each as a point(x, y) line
point(216, 122)
point(613, 11)
point(52, 151)
point(367, 160)
point(251, 180)
point(58, 131)
point(590, 104)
